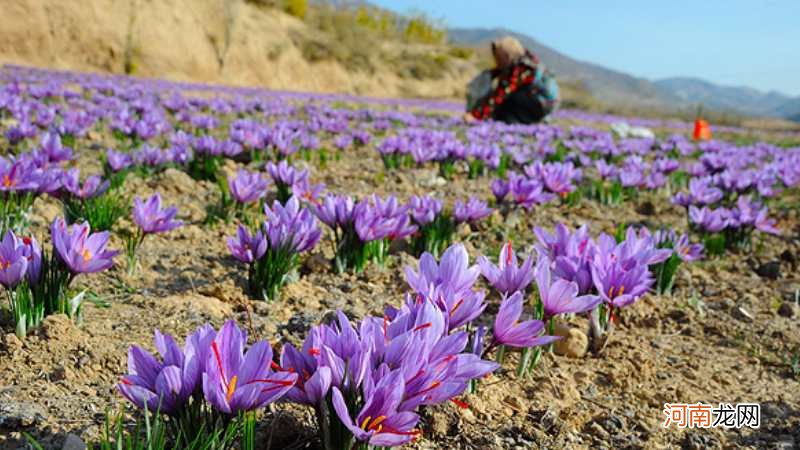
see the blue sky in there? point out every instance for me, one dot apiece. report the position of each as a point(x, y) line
point(752, 43)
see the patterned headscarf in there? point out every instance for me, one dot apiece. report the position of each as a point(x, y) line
point(510, 46)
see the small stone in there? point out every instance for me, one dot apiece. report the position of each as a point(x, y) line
point(73, 442)
point(787, 309)
point(741, 314)
point(61, 373)
point(770, 270)
point(646, 209)
point(573, 344)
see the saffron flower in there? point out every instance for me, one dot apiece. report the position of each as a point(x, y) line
point(93, 186)
point(81, 250)
point(507, 276)
point(271, 252)
point(379, 422)
point(509, 331)
point(235, 380)
point(453, 272)
point(152, 218)
point(286, 177)
point(247, 187)
point(13, 263)
point(470, 211)
point(247, 247)
point(166, 385)
point(560, 296)
point(620, 286)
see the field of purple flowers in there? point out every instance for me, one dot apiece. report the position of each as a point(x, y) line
point(192, 266)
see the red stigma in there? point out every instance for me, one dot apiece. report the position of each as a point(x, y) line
point(423, 326)
point(455, 307)
point(313, 351)
point(459, 403)
point(508, 252)
point(219, 361)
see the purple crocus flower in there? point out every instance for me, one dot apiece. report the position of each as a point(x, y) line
point(377, 219)
point(33, 253)
point(685, 250)
point(51, 146)
point(308, 192)
point(682, 199)
point(560, 296)
point(424, 209)
point(334, 210)
point(283, 173)
point(710, 220)
point(246, 247)
point(702, 192)
point(470, 211)
point(453, 271)
point(166, 385)
point(247, 187)
point(528, 192)
point(235, 380)
point(508, 330)
point(118, 161)
point(764, 224)
point(617, 285)
point(151, 218)
point(641, 247)
point(290, 227)
point(13, 263)
point(94, 186)
point(506, 276)
point(313, 382)
point(500, 189)
point(605, 170)
point(81, 250)
point(379, 422)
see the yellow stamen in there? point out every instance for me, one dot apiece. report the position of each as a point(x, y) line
point(611, 292)
point(377, 423)
point(7, 181)
point(621, 290)
point(365, 422)
point(87, 255)
point(231, 388)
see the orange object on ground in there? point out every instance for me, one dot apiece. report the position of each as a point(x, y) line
point(702, 130)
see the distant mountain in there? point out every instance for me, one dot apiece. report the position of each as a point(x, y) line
point(618, 88)
point(725, 98)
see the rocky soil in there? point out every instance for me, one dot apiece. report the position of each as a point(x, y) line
point(727, 333)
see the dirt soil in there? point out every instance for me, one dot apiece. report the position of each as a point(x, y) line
point(723, 336)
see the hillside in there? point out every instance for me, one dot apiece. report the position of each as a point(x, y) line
point(621, 89)
point(230, 41)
